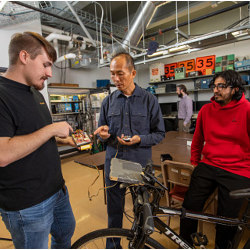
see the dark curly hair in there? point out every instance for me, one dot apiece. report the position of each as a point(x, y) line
point(233, 79)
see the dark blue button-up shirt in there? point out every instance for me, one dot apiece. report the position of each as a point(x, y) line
point(138, 114)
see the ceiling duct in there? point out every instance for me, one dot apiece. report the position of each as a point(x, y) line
point(139, 23)
point(217, 12)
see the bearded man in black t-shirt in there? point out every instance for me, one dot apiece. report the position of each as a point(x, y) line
point(34, 200)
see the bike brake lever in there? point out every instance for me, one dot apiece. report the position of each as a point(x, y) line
point(150, 177)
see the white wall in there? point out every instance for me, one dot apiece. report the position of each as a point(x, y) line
point(85, 77)
point(6, 34)
point(8, 31)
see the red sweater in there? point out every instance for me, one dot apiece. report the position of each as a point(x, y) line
point(226, 133)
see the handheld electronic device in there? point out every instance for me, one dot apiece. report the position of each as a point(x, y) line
point(81, 139)
point(126, 138)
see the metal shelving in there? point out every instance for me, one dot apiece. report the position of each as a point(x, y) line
point(66, 113)
point(189, 90)
point(184, 79)
point(191, 78)
point(54, 101)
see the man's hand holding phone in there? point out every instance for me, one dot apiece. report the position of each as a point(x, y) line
point(127, 140)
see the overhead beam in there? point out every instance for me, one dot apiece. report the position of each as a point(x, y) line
point(81, 24)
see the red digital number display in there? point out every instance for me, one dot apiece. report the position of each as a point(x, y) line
point(206, 62)
point(169, 69)
point(189, 65)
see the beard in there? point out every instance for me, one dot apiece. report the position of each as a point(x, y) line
point(218, 101)
point(40, 87)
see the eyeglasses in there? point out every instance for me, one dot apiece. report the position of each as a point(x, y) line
point(219, 86)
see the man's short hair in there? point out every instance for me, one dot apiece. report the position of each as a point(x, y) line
point(183, 87)
point(232, 78)
point(32, 43)
point(129, 59)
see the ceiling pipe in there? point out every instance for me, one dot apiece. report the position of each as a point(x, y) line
point(55, 45)
point(188, 51)
point(81, 24)
point(162, 57)
point(101, 61)
point(145, 14)
point(199, 38)
point(199, 18)
point(211, 35)
point(57, 16)
point(66, 34)
point(169, 55)
point(65, 57)
point(182, 52)
point(53, 36)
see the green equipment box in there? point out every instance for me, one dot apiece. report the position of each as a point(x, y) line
point(180, 73)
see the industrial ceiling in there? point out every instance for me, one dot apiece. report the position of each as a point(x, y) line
point(134, 25)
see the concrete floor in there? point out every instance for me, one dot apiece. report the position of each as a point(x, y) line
point(91, 214)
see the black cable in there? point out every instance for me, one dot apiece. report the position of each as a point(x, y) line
point(126, 215)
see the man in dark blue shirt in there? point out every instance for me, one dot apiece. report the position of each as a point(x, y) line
point(129, 111)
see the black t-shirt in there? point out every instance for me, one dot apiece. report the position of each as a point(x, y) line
point(34, 178)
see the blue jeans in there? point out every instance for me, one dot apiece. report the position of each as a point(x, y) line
point(30, 227)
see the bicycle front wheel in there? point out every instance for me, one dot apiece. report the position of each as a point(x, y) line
point(97, 239)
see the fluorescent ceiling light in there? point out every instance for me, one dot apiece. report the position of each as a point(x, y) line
point(2, 3)
point(240, 33)
point(179, 48)
point(159, 53)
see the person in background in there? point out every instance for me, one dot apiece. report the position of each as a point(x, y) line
point(222, 136)
point(185, 109)
point(128, 111)
point(34, 200)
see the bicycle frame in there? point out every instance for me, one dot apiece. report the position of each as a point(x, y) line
point(138, 227)
point(166, 230)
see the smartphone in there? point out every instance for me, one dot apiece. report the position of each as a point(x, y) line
point(126, 138)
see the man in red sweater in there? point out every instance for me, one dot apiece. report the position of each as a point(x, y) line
point(222, 138)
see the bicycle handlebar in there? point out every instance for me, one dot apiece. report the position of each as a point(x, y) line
point(149, 177)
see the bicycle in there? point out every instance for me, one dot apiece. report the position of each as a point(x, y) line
point(146, 193)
